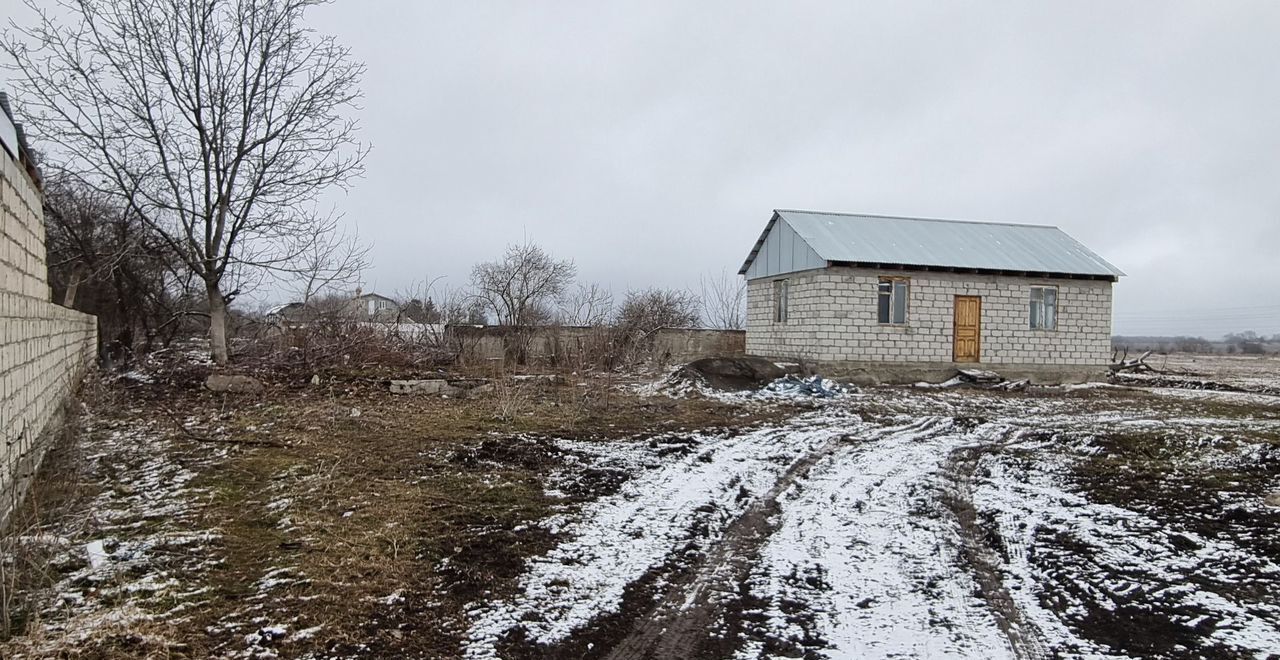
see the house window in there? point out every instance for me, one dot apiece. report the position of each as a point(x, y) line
point(780, 291)
point(1044, 307)
point(893, 300)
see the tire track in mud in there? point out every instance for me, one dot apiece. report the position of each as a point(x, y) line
point(695, 604)
point(683, 623)
point(1102, 578)
point(1024, 638)
point(623, 552)
point(867, 561)
point(680, 622)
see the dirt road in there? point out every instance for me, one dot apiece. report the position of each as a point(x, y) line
point(845, 535)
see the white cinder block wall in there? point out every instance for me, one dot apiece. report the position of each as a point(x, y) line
point(44, 348)
point(832, 317)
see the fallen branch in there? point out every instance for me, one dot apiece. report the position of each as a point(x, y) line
point(1136, 364)
point(225, 441)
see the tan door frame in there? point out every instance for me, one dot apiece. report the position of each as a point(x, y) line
point(966, 329)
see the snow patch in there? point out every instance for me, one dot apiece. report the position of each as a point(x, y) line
point(864, 545)
point(618, 539)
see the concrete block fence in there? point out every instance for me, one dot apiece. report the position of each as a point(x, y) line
point(45, 349)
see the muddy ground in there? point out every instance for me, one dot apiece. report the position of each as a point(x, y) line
point(586, 518)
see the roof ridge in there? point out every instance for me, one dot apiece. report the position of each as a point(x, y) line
point(904, 217)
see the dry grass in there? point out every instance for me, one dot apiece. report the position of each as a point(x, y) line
point(27, 551)
point(376, 518)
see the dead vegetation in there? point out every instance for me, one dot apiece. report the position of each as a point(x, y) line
point(1124, 363)
point(338, 518)
point(1245, 375)
point(28, 553)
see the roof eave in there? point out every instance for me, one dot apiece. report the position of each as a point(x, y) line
point(1110, 277)
point(755, 251)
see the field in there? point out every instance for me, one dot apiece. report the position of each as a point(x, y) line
point(587, 517)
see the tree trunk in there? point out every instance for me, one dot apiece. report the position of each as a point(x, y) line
point(217, 325)
point(73, 285)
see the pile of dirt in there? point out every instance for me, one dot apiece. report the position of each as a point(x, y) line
point(730, 374)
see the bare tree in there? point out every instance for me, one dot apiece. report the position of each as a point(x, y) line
point(645, 311)
point(588, 305)
point(418, 301)
point(216, 122)
point(463, 308)
point(330, 262)
point(417, 310)
point(104, 261)
point(522, 287)
point(87, 236)
point(443, 304)
point(724, 301)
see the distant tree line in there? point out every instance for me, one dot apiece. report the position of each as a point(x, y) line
point(1251, 343)
point(529, 287)
point(1243, 343)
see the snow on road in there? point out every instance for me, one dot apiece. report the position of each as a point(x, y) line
point(1062, 547)
point(867, 549)
point(863, 543)
point(618, 539)
point(927, 533)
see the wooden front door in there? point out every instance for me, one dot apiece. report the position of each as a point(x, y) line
point(968, 328)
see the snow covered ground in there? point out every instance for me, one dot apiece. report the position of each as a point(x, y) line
point(1059, 544)
point(685, 502)
point(1067, 522)
point(870, 535)
point(934, 525)
point(137, 543)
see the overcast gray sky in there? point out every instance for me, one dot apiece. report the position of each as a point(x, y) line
point(649, 141)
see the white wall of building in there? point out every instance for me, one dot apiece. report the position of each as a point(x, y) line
point(832, 317)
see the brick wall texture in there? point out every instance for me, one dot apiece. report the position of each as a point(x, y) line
point(833, 317)
point(44, 348)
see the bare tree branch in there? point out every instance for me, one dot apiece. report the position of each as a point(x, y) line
point(216, 122)
point(588, 305)
point(331, 261)
point(522, 288)
point(724, 301)
point(645, 311)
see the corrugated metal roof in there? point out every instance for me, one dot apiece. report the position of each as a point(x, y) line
point(942, 243)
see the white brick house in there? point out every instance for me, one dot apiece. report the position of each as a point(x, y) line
point(898, 299)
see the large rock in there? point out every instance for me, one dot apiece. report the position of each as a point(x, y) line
point(1272, 499)
point(235, 384)
point(732, 373)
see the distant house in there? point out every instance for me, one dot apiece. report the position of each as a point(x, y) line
point(896, 299)
point(359, 307)
point(291, 312)
point(373, 307)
